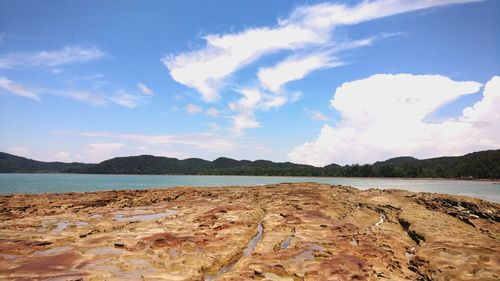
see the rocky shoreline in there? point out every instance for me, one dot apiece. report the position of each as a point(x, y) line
point(302, 231)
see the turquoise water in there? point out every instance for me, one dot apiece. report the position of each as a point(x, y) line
point(40, 183)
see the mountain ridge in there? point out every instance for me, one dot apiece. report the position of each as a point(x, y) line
point(481, 165)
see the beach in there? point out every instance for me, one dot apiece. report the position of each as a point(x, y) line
point(294, 231)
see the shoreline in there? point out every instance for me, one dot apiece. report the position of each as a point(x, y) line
point(321, 177)
point(299, 231)
point(244, 186)
point(58, 183)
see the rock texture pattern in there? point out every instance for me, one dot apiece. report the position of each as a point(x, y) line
point(282, 232)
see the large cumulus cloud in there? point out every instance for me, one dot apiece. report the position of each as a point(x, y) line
point(387, 115)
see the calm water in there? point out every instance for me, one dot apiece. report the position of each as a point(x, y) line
point(39, 183)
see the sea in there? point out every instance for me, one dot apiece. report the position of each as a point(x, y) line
point(57, 183)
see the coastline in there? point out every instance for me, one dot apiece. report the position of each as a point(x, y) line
point(57, 183)
point(217, 175)
point(308, 231)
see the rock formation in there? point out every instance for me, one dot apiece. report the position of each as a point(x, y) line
point(285, 232)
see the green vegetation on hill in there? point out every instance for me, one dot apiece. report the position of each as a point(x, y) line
point(14, 164)
point(152, 165)
point(478, 165)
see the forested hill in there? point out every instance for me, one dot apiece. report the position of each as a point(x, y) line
point(483, 164)
point(14, 164)
point(152, 165)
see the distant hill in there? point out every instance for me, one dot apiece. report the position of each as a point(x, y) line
point(397, 161)
point(153, 165)
point(482, 164)
point(478, 165)
point(14, 164)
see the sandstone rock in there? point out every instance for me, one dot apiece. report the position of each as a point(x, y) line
point(300, 231)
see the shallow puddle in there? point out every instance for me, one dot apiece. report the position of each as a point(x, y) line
point(286, 242)
point(103, 251)
point(60, 227)
point(248, 250)
point(253, 243)
point(95, 216)
point(53, 251)
point(10, 257)
point(309, 254)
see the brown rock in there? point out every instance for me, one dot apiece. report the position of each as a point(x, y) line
point(301, 231)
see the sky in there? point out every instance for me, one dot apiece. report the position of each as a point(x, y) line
point(314, 82)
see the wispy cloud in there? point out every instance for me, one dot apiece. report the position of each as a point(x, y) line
point(245, 108)
point(207, 141)
point(17, 89)
point(306, 33)
point(126, 100)
point(195, 109)
point(206, 69)
point(316, 115)
point(252, 100)
point(294, 68)
point(192, 109)
point(55, 58)
point(88, 97)
point(309, 26)
point(145, 90)
point(103, 150)
point(24, 151)
point(212, 112)
point(200, 140)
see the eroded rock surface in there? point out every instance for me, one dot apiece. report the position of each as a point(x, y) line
point(281, 232)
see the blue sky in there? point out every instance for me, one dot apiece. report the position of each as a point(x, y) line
point(312, 82)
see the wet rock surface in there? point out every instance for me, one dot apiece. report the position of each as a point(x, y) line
point(281, 232)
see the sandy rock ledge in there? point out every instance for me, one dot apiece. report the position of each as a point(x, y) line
point(281, 232)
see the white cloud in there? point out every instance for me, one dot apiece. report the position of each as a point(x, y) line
point(328, 15)
point(206, 69)
point(486, 112)
point(204, 141)
point(273, 101)
point(305, 35)
point(384, 116)
point(316, 115)
point(145, 90)
point(61, 156)
point(103, 150)
point(17, 89)
point(297, 67)
point(107, 146)
point(64, 56)
point(84, 134)
point(250, 99)
point(245, 108)
point(126, 100)
point(193, 109)
point(307, 27)
point(23, 151)
point(244, 121)
point(212, 112)
point(254, 99)
point(294, 68)
point(88, 97)
point(205, 145)
point(114, 141)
